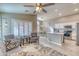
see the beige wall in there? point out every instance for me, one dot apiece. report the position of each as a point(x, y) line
point(25, 17)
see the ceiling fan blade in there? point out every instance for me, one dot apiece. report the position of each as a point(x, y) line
point(48, 4)
point(34, 12)
point(28, 6)
point(44, 10)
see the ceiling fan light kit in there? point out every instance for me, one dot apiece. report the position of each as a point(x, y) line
point(39, 7)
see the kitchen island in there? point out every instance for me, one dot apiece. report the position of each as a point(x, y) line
point(56, 38)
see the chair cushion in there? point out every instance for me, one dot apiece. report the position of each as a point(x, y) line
point(33, 34)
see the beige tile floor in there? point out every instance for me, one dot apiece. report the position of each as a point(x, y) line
point(69, 47)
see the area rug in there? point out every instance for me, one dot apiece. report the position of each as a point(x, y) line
point(56, 53)
point(38, 50)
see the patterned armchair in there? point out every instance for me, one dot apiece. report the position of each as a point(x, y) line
point(11, 42)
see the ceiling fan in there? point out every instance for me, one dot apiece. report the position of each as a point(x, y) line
point(40, 7)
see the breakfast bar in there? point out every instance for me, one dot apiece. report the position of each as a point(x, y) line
point(56, 38)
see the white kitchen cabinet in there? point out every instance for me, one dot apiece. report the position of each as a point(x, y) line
point(77, 34)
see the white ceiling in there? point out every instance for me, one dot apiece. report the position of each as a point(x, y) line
point(53, 11)
point(16, 8)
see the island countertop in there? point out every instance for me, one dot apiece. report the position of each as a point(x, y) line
point(54, 33)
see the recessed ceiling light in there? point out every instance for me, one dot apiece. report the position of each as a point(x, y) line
point(60, 14)
point(76, 9)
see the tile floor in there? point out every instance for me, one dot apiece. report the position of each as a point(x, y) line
point(68, 48)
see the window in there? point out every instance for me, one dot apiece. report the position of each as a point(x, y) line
point(11, 26)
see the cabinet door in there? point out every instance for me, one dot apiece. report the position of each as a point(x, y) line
point(77, 34)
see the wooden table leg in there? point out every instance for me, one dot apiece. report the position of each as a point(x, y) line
point(29, 40)
point(23, 41)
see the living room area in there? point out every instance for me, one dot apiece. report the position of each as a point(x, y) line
point(39, 29)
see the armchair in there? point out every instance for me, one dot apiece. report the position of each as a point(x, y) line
point(34, 38)
point(11, 42)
